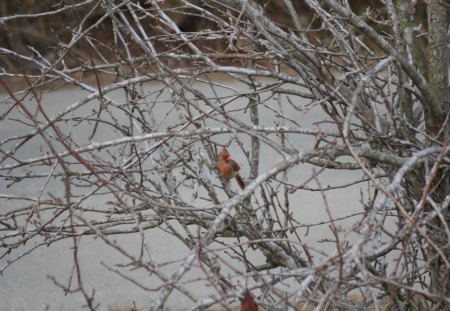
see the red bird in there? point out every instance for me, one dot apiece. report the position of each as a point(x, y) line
point(248, 303)
point(228, 168)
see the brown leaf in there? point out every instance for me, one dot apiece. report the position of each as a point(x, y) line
point(248, 303)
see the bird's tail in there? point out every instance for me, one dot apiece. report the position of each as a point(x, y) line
point(240, 181)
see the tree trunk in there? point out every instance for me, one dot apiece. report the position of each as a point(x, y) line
point(438, 126)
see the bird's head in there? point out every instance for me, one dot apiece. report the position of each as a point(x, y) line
point(224, 154)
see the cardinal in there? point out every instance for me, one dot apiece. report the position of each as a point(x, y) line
point(228, 168)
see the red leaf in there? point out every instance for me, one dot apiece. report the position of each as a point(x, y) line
point(248, 303)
